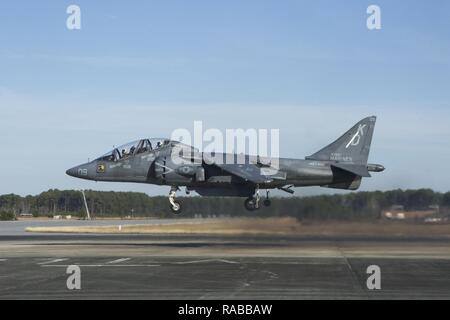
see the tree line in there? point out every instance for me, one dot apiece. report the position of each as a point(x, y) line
point(355, 205)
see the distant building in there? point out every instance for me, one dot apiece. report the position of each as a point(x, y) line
point(436, 220)
point(397, 212)
point(26, 215)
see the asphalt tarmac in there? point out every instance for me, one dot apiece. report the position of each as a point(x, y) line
point(212, 267)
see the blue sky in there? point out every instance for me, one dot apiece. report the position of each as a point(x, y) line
point(142, 69)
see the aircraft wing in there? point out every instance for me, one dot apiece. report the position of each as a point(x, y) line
point(248, 172)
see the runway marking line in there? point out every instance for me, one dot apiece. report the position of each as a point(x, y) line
point(118, 260)
point(52, 261)
point(207, 260)
point(102, 265)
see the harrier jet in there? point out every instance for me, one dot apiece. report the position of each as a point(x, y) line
point(340, 165)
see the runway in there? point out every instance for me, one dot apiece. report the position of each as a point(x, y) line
point(212, 267)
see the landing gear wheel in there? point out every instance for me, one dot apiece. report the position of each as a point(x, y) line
point(175, 207)
point(251, 204)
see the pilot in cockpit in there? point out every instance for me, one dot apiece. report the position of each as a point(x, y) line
point(146, 146)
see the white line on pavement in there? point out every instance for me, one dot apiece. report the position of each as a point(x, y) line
point(207, 260)
point(52, 261)
point(103, 265)
point(118, 260)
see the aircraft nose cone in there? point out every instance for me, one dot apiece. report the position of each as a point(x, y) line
point(72, 172)
point(84, 171)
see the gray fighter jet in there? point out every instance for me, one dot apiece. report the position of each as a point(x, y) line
point(340, 165)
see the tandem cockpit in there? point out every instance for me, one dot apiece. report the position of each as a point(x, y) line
point(134, 148)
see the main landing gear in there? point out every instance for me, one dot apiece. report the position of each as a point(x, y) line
point(267, 201)
point(253, 203)
point(175, 206)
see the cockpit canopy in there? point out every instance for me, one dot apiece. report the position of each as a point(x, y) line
point(134, 148)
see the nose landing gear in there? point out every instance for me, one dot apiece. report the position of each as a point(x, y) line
point(175, 206)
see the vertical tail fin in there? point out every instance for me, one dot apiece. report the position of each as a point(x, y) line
point(352, 147)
